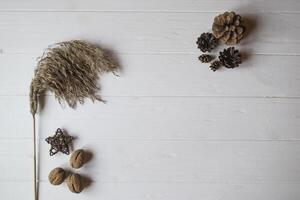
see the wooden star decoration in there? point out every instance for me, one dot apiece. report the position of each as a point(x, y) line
point(59, 142)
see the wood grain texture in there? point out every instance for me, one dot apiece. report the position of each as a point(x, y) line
point(166, 161)
point(171, 128)
point(150, 191)
point(143, 33)
point(175, 75)
point(159, 118)
point(153, 5)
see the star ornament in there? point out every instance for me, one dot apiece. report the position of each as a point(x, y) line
point(60, 142)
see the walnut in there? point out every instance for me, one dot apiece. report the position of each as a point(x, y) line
point(57, 176)
point(77, 159)
point(74, 183)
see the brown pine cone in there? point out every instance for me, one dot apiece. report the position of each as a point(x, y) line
point(214, 66)
point(205, 58)
point(228, 28)
point(230, 57)
point(207, 42)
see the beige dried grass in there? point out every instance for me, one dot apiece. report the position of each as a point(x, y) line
point(70, 70)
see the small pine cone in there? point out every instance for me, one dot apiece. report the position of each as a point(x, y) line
point(205, 58)
point(215, 65)
point(230, 57)
point(207, 42)
point(228, 28)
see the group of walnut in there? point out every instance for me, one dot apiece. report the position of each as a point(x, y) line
point(74, 181)
point(227, 29)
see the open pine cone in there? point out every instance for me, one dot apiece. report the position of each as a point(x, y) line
point(228, 28)
point(230, 57)
point(215, 65)
point(205, 58)
point(207, 42)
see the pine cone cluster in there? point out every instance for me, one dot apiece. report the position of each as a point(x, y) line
point(228, 28)
point(230, 57)
point(207, 42)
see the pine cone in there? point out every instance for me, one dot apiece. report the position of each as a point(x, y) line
point(230, 57)
point(207, 42)
point(205, 58)
point(228, 28)
point(215, 65)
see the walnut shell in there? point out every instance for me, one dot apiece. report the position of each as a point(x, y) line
point(74, 183)
point(77, 159)
point(57, 176)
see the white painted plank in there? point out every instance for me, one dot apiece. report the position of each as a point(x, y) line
point(174, 75)
point(171, 128)
point(165, 161)
point(153, 5)
point(159, 118)
point(154, 191)
point(140, 33)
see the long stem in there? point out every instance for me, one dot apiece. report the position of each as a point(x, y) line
point(34, 160)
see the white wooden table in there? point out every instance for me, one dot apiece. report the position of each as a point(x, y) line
point(171, 129)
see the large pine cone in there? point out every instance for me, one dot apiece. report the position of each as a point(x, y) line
point(228, 28)
point(207, 42)
point(230, 57)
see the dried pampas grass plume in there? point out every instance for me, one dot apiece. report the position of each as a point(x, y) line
point(70, 70)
